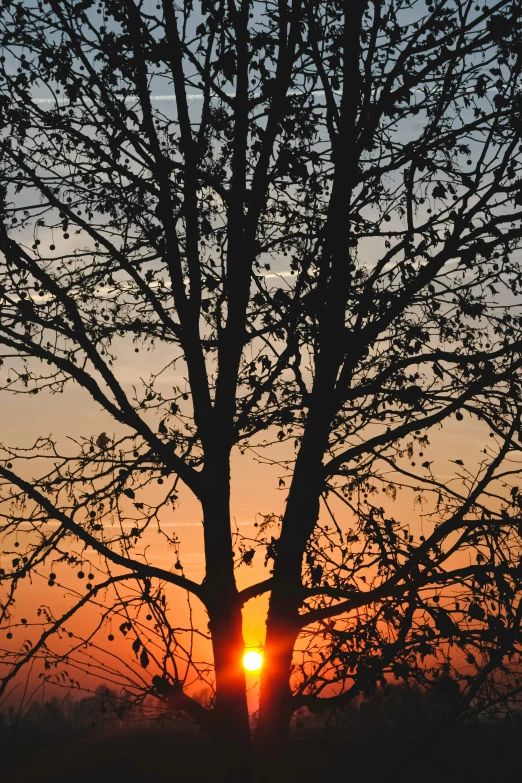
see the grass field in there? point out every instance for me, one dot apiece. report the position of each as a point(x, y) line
point(472, 755)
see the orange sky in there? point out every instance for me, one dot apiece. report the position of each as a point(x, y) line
point(254, 491)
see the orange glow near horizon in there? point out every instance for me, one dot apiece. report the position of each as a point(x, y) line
point(252, 660)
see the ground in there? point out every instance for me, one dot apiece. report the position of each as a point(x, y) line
point(487, 754)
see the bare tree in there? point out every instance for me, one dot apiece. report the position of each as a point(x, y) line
point(320, 234)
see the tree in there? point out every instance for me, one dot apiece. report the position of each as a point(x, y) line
point(320, 233)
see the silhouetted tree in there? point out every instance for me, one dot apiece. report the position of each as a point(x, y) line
point(319, 234)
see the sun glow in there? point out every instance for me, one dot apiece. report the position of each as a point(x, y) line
point(252, 660)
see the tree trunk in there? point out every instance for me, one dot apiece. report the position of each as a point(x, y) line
point(231, 728)
point(276, 702)
point(230, 731)
point(275, 708)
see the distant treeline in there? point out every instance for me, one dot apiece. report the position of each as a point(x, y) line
point(402, 708)
point(103, 710)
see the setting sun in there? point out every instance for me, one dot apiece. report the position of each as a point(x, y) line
point(252, 660)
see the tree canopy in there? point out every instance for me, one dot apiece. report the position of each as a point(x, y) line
point(308, 214)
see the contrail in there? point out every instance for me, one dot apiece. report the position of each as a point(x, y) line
point(190, 97)
point(199, 96)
